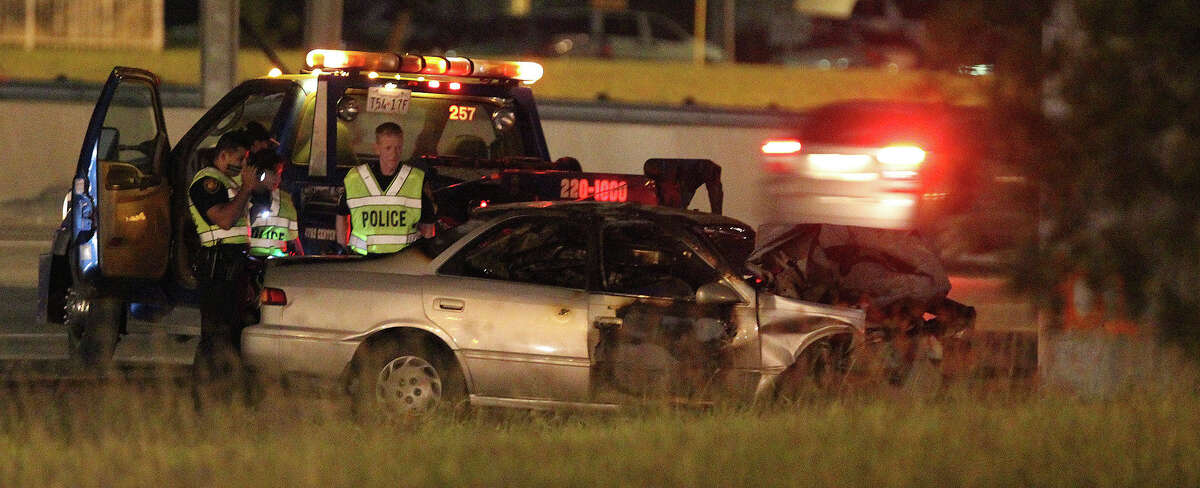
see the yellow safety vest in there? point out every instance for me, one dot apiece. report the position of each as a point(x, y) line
point(383, 221)
point(271, 230)
point(212, 234)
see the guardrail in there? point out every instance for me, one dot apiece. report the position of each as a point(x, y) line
point(609, 112)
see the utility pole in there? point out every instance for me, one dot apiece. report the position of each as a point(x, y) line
point(323, 27)
point(219, 48)
point(700, 31)
point(730, 35)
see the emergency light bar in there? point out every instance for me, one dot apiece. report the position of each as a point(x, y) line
point(327, 59)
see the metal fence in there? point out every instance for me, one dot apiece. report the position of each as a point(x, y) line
point(82, 23)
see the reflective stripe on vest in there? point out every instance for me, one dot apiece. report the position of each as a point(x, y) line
point(212, 234)
point(279, 221)
point(383, 221)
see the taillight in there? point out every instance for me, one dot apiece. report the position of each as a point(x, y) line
point(781, 146)
point(273, 296)
point(900, 161)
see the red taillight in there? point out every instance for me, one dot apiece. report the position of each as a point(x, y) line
point(781, 146)
point(900, 161)
point(455, 86)
point(434, 83)
point(273, 296)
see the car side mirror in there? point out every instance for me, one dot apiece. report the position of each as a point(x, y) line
point(122, 177)
point(717, 293)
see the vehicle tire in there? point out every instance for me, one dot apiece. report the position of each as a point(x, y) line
point(93, 327)
point(406, 378)
point(819, 372)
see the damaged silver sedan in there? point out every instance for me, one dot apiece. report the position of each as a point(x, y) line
point(550, 305)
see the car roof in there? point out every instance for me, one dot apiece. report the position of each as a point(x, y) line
point(620, 211)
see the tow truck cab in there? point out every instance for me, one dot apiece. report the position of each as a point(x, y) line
point(127, 237)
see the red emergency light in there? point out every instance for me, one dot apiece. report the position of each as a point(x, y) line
point(333, 59)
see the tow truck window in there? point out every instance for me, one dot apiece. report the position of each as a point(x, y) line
point(434, 125)
point(541, 251)
point(258, 107)
point(639, 259)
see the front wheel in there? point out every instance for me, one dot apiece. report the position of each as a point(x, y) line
point(93, 327)
point(407, 378)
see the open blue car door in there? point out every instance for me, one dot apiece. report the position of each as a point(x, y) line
point(120, 197)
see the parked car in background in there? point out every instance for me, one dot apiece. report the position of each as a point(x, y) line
point(584, 32)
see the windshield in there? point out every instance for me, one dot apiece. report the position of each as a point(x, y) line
point(433, 125)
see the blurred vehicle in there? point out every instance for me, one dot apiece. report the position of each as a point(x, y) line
point(550, 305)
point(585, 32)
point(900, 165)
point(842, 44)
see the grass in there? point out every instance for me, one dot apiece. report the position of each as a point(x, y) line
point(665, 83)
point(123, 435)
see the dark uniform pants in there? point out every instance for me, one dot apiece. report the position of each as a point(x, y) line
point(225, 293)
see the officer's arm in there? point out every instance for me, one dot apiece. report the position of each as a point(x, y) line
point(427, 225)
point(341, 221)
point(226, 214)
point(341, 227)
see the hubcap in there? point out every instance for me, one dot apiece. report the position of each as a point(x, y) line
point(408, 384)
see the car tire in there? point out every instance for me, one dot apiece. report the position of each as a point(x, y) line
point(820, 371)
point(407, 378)
point(94, 326)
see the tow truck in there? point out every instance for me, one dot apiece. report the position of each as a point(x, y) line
point(125, 243)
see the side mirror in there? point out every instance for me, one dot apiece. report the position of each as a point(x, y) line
point(717, 293)
point(122, 177)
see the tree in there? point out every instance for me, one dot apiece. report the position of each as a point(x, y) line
point(1119, 167)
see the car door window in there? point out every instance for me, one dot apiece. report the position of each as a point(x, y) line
point(130, 131)
point(641, 259)
point(544, 251)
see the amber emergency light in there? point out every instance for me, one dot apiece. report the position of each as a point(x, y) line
point(331, 59)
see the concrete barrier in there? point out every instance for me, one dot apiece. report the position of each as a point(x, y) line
point(42, 140)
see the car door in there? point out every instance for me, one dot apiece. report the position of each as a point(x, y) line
point(120, 198)
point(652, 337)
point(515, 301)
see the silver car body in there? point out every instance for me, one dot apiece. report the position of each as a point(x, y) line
point(518, 344)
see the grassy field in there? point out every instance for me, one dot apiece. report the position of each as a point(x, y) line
point(139, 436)
point(664, 83)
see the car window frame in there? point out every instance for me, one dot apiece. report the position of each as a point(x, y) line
point(448, 256)
point(690, 241)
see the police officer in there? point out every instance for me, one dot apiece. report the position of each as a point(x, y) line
point(388, 207)
point(219, 196)
point(273, 224)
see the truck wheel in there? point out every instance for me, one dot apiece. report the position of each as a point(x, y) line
point(818, 372)
point(406, 378)
point(93, 327)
